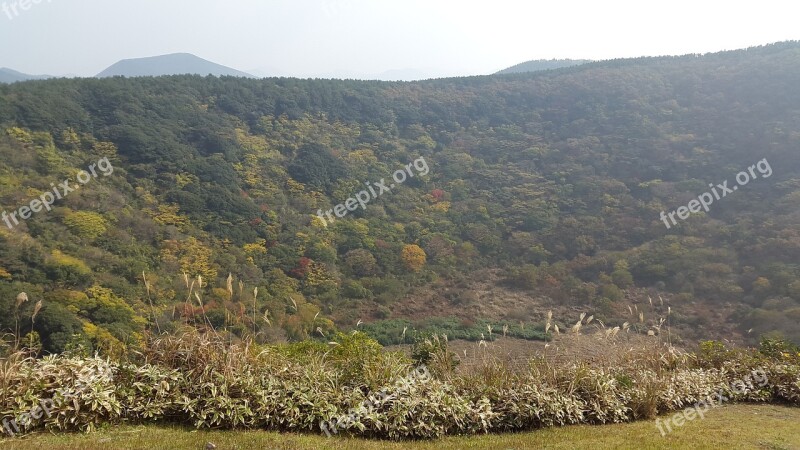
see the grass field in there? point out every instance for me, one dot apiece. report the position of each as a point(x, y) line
point(735, 426)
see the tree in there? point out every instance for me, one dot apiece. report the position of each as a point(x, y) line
point(195, 258)
point(57, 326)
point(361, 262)
point(621, 276)
point(86, 224)
point(317, 167)
point(413, 257)
point(67, 270)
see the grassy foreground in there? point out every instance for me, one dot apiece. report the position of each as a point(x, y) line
point(734, 426)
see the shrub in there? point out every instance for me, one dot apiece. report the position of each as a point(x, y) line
point(353, 385)
point(433, 353)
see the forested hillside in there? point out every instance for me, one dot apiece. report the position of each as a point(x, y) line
point(548, 185)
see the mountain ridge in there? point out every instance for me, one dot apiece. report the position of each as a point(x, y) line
point(8, 75)
point(169, 64)
point(538, 65)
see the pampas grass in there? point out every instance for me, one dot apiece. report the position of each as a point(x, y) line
point(150, 301)
point(36, 309)
point(255, 296)
point(202, 380)
point(22, 298)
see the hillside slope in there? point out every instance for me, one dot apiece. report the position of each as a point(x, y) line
point(553, 182)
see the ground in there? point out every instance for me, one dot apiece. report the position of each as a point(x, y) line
point(732, 426)
point(565, 349)
point(485, 296)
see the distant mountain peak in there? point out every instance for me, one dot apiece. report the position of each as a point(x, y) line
point(12, 76)
point(539, 65)
point(171, 64)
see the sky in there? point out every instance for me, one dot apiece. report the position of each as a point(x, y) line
point(404, 39)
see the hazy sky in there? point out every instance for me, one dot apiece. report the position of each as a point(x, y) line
point(363, 38)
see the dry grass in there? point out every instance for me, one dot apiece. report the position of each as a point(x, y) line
point(563, 349)
point(205, 381)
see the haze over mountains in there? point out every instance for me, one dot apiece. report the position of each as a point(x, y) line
point(189, 64)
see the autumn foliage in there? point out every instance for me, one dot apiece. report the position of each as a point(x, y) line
point(413, 257)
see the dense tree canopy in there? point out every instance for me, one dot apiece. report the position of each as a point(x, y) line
point(555, 180)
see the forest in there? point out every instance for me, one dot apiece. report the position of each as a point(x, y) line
point(549, 185)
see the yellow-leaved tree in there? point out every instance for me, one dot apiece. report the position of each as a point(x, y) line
point(193, 257)
point(413, 257)
point(86, 224)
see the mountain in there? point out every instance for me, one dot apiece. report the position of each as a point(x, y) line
point(477, 203)
point(543, 64)
point(174, 64)
point(12, 76)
